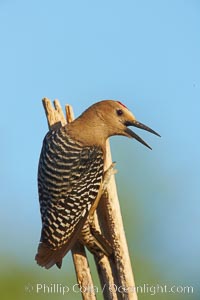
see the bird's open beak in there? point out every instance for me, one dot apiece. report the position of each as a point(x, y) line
point(141, 126)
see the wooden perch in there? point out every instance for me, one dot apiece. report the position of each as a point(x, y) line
point(115, 272)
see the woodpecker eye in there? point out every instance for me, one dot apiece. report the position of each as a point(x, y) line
point(119, 112)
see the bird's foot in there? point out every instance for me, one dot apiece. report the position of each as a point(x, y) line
point(107, 175)
point(94, 240)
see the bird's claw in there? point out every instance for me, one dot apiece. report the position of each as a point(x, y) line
point(107, 175)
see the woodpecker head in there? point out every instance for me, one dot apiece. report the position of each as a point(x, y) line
point(124, 118)
point(107, 118)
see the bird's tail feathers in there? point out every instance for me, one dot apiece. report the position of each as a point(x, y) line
point(47, 257)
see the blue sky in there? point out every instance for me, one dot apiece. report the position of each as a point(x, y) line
point(144, 53)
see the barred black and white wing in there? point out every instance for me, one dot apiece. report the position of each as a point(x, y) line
point(69, 179)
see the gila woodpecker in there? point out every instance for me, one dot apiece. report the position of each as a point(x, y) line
point(71, 179)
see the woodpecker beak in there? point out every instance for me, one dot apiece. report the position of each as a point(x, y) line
point(134, 135)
